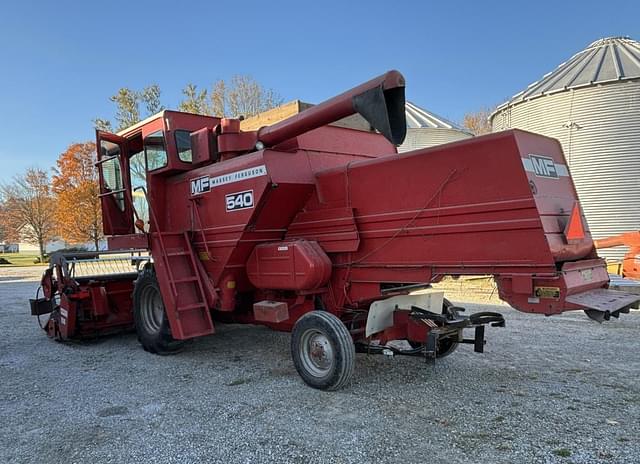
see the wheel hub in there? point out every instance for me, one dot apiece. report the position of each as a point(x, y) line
point(152, 310)
point(321, 353)
point(317, 352)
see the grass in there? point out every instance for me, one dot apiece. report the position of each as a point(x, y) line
point(238, 382)
point(19, 259)
point(562, 452)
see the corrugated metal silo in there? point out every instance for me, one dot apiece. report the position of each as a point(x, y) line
point(591, 103)
point(426, 129)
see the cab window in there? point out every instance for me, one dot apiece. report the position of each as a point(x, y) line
point(183, 144)
point(111, 172)
point(138, 177)
point(155, 151)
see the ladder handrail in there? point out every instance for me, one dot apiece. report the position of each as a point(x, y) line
point(163, 249)
point(199, 224)
point(194, 266)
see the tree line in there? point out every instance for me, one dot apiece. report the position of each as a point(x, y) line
point(242, 96)
point(63, 201)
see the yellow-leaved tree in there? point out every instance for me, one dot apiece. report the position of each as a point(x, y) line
point(477, 122)
point(76, 189)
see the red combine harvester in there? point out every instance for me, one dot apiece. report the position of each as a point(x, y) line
point(324, 231)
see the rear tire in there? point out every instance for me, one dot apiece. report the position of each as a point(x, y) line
point(322, 350)
point(150, 317)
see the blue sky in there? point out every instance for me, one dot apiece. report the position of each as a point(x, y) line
point(60, 61)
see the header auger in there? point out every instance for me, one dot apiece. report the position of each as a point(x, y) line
point(327, 232)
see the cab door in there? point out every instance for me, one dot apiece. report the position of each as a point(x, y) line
point(115, 193)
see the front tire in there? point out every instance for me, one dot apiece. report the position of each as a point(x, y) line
point(322, 350)
point(150, 317)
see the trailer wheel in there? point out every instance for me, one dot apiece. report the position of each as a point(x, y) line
point(323, 351)
point(448, 345)
point(152, 325)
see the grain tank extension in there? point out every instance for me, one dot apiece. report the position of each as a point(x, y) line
point(326, 232)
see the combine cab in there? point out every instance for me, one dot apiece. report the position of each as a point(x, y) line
point(329, 233)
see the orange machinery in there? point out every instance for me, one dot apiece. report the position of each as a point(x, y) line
point(631, 260)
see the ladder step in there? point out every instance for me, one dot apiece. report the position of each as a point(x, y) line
point(185, 279)
point(192, 306)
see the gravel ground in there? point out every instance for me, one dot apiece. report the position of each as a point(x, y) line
point(561, 389)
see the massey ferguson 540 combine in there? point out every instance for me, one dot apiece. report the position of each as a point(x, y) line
point(327, 232)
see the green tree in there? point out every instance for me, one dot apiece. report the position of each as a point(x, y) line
point(127, 107)
point(246, 97)
point(195, 100)
point(128, 103)
point(150, 97)
point(219, 98)
point(243, 96)
point(103, 124)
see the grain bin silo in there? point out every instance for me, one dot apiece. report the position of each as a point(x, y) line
point(591, 103)
point(426, 129)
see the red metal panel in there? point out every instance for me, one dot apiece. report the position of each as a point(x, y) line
point(334, 229)
point(129, 241)
point(99, 300)
point(289, 265)
point(443, 207)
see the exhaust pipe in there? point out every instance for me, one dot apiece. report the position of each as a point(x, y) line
point(380, 101)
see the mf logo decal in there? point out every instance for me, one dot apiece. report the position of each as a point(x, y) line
point(543, 166)
point(205, 184)
point(200, 185)
point(239, 200)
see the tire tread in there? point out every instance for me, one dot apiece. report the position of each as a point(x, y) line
point(345, 356)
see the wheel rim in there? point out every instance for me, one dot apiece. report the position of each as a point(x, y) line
point(151, 310)
point(316, 353)
point(445, 346)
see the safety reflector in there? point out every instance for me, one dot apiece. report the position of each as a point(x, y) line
point(575, 228)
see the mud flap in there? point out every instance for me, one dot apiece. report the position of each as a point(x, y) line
point(601, 303)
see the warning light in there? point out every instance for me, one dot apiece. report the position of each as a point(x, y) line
point(575, 228)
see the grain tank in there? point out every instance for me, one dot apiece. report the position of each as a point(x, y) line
point(591, 104)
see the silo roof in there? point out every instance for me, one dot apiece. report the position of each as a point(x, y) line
point(606, 60)
point(420, 118)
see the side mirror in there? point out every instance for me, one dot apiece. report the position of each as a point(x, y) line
point(204, 146)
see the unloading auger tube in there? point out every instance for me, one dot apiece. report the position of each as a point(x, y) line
point(326, 232)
